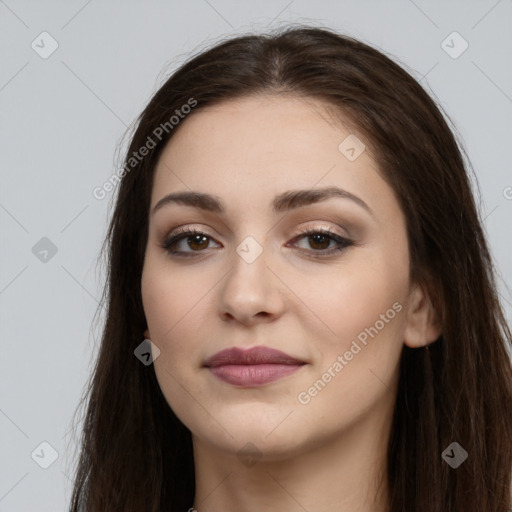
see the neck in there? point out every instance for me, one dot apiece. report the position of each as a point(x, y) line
point(343, 473)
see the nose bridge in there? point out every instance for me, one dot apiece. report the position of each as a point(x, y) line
point(249, 287)
point(249, 262)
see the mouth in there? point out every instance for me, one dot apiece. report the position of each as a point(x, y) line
point(253, 367)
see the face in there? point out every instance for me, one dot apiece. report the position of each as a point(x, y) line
point(337, 303)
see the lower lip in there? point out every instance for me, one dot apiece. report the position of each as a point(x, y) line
point(253, 375)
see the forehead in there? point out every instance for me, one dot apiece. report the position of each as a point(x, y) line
point(246, 133)
point(251, 149)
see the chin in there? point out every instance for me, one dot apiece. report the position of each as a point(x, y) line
point(244, 437)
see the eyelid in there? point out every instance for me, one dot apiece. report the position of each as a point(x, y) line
point(185, 229)
point(302, 230)
point(323, 227)
point(182, 233)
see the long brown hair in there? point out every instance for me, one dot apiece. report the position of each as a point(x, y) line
point(135, 454)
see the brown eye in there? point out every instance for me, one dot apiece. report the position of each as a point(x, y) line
point(197, 241)
point(320, 239)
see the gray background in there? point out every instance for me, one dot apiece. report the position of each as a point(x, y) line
point(63, 116)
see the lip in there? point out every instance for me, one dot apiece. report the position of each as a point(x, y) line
point(252, 367)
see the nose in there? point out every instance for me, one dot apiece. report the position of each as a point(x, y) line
point(251, 292)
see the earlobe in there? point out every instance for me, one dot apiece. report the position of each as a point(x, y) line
point(147, 335)
point(422, 325)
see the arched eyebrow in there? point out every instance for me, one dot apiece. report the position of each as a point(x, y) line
point(283, 202)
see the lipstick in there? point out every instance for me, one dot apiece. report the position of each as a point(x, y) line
point(252, 367)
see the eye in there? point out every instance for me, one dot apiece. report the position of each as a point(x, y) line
point(197, 241)
point(321, 239)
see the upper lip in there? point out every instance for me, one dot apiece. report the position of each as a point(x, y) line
point(255, 355)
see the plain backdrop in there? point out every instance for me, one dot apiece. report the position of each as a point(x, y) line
point(75, 74)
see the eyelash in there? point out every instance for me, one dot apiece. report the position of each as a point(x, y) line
point(184, 233)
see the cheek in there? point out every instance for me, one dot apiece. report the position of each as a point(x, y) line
point(172, 303)
point(178, 306)
point(363, 304)
point(344, 300)
point(170, 297)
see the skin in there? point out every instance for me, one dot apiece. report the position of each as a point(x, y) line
point(328, 454)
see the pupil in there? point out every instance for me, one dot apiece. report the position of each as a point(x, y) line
point(317, 237)
point(197, 239)
point(200, 240)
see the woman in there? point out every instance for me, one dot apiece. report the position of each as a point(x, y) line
point(302, 312)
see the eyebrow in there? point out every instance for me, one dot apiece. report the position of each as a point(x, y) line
point(283, 202)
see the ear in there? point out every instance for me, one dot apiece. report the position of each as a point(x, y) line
point(147, 335)
point(422, 326)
